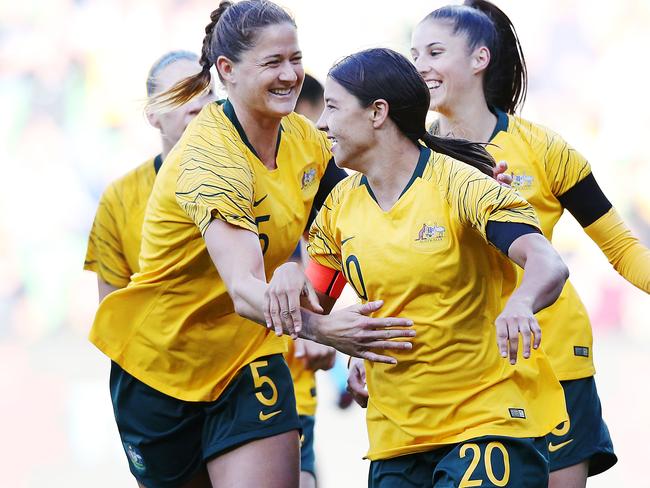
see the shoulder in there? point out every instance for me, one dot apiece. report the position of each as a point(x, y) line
point(139, 178)
point(536, 135)
point(342, 190)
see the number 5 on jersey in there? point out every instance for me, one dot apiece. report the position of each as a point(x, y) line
point(260, 381)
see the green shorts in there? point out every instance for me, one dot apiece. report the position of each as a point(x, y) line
point(490, 461)
point(168, 441)
point(307, 456)
point(585, 436)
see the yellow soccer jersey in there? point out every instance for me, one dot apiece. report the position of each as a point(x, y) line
point(429, 260)
point(114, 241)
point(304, 382)
point(174, 326)
point(544, 167)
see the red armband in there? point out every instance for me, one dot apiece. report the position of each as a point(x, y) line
point(325, 280)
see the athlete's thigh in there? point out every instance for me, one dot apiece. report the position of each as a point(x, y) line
point(584, 437)
point(161, 435)
point(271, 462)
point(494, 461)
point(255, 422)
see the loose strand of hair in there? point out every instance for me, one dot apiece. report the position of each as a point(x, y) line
point(181, 93)
point(471, 153)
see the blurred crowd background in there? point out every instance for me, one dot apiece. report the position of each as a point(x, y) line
point(72, 88)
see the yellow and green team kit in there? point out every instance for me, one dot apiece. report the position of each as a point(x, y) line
point(429, 260)
point(544, 167)
point(174, 326)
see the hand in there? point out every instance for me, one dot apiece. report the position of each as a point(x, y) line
point(499, 174)
point(352, 332)
point(517, 318)
point(282, 299)
point(314, 356)
point(357, 382)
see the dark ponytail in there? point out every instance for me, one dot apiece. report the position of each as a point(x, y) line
point(232, 30)
point(384, 74)
point(506, 80)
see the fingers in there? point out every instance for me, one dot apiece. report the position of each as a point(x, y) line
point(312, 297)
point(392, 345)
point(369, 307)
point(382, 323)
point(274, 312)
point(377, 358)
point(502, 336)
point(537, 332)
point(299, 349)
point(357, 385)
point(293, 313)
point(513, 340)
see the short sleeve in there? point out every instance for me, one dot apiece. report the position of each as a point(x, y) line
point(564, 166)
point(215, 181)
point(477, 199)
point(324, 246)
point(105, 253)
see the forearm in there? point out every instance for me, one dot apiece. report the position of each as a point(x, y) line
point(627, 255)
point(543, 280)
point(248, 297)
point(544, 271)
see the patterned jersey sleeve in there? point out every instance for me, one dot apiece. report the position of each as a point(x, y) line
point(105, 254)
point(324, 245)
point(215, 180)
point(476, 198)
point(564, 166)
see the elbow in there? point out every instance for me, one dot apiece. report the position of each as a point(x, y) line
point(239, 302)
point(560, 271)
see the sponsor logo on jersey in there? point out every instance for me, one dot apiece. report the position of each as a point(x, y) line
point(308, 178)
point(430, 233)
point(522, 181)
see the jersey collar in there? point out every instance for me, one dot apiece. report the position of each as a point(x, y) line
point(425, 154)
point(502, 122)
point(229, 112)
point(157, 163)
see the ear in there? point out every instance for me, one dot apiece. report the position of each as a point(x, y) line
point(226, 69)
point(378, 112)
point(480, 59)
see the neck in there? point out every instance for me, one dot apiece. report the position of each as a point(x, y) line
point(472, 121)
point(166, 147)
point(262, 132)
point(390, 166)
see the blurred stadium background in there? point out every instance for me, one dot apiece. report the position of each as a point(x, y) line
point(72, 84)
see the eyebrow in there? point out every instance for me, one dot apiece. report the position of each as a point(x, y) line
point(430, 45)
point(272, 56)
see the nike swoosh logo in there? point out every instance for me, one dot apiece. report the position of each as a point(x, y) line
point(265, 416)
point(255, 204)
point(346, 240)
point(556, 447)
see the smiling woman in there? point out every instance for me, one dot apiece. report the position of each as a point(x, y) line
point(201, 393)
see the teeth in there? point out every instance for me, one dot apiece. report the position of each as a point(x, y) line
point(285, 91)
point(434, 84)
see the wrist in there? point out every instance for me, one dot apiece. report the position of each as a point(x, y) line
point(311, 326)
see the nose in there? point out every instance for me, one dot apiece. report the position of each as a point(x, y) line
point(421, 65)
point(288, 73)
point(321, 123)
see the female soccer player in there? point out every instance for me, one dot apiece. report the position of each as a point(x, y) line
point(415, 227)
point(114, 242)
point(199, 390)
point(472, 61)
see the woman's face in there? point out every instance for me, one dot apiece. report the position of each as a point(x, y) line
point(348, 125)
point(445, 62)
point(268, 77)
